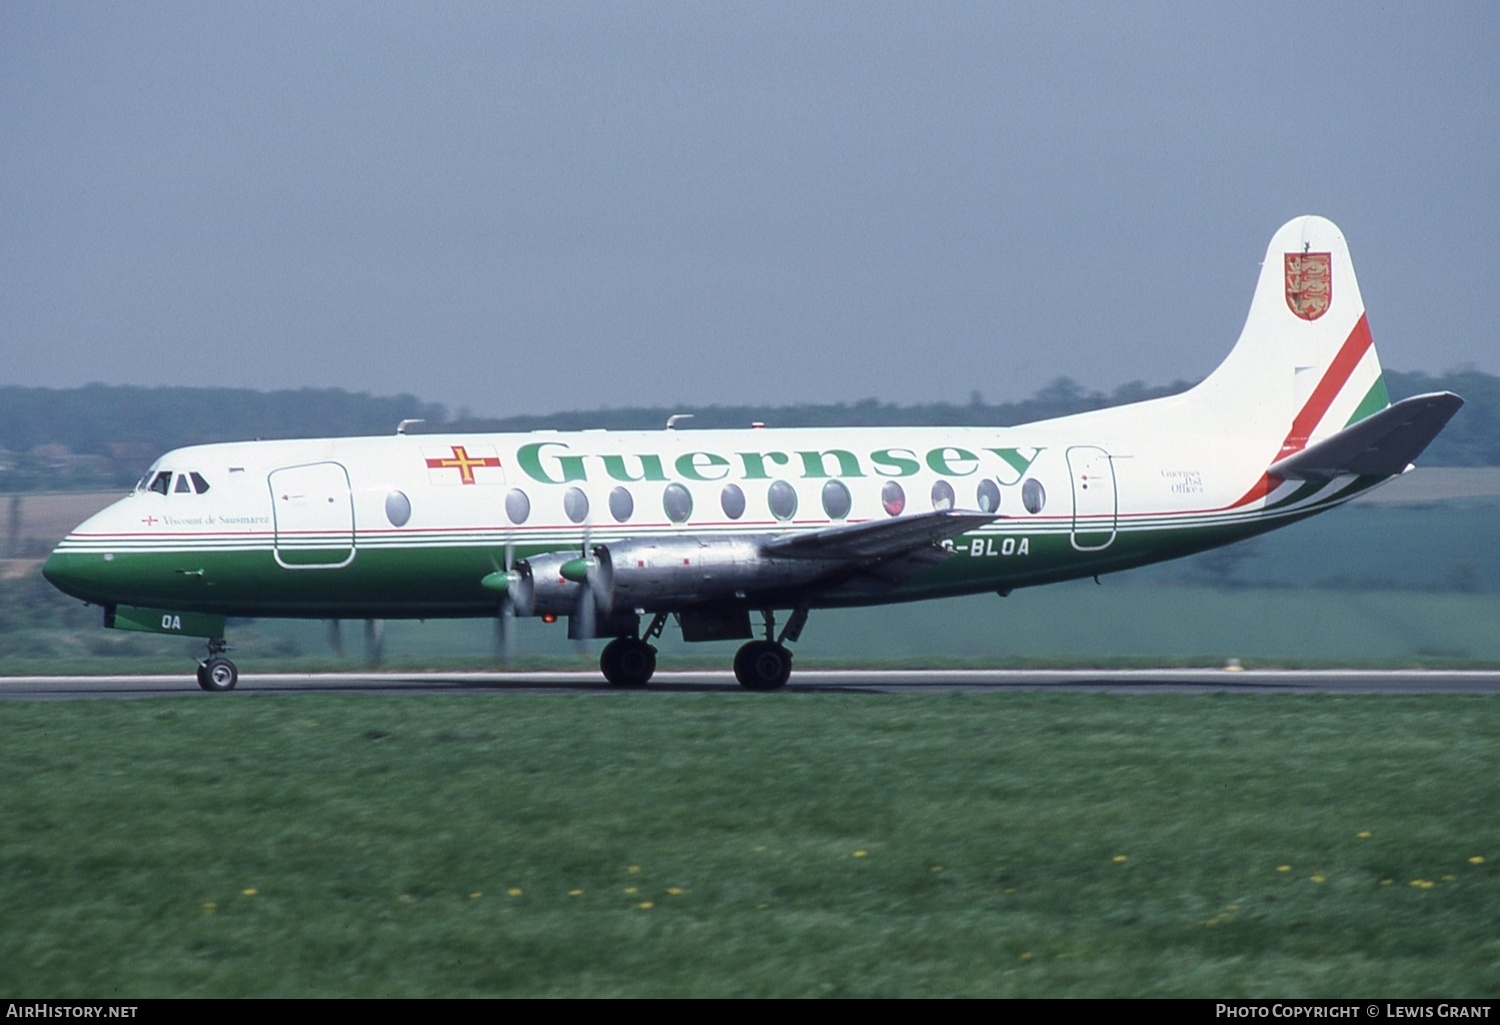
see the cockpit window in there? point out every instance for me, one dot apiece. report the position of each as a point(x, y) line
point(199, 484)
point(184, 486)
point(160, 482)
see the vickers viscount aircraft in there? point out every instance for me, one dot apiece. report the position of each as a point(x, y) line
point(717, 528)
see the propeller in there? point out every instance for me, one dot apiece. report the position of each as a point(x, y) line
point(510, 583)
point(336, 636)
point(593, 596)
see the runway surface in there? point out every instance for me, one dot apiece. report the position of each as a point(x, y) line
point(1124, 681)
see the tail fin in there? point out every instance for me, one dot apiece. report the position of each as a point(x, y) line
point(1305, 366)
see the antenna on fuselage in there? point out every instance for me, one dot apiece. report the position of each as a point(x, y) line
point(404, 424)
point(675, 417)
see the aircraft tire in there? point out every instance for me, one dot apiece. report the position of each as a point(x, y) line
point(218, 675)
point(628, 662)
point(763, 665)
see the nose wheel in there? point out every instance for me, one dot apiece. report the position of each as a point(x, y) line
point(216, 673)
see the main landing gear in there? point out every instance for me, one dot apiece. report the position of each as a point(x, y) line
point(758, 665)
point(631, 661)
point(767, 664)
point(215, 672)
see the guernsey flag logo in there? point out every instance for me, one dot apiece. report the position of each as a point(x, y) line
point(464, 464)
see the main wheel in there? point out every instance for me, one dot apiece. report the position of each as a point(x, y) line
point(762, 665)
point(218, 674)
point(627, 662)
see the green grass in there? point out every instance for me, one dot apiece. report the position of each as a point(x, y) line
point(335, 845)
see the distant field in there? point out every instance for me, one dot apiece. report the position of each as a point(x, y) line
point(751, 845)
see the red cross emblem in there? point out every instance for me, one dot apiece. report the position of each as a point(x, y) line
point(463, 463)
point(150, 521)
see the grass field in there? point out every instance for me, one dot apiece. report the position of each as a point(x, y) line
point(656, 844)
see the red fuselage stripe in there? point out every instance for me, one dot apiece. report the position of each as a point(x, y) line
point(1316, 407)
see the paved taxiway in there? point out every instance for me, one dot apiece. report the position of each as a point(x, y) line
point(1126, 681)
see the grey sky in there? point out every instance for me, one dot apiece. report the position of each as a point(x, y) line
point(531, 207)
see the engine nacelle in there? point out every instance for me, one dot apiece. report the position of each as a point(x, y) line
point(540, 588)
point(661, 573)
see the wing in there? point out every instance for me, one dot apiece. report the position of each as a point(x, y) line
point(877, 539)
point(1381, 445)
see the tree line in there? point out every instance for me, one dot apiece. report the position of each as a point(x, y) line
point(106, 436)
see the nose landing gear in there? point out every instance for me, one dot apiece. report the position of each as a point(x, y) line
point(215, 672)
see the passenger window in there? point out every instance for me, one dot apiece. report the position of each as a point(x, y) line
point(517, 506)
point(782, 499)
point(621, 504)
point(836, 500)
point(199, 484)
point(184, 486)
point(893, 497)
point(677, 503)
point(733, 501)
point(161, 482)
point(942, 495)
point(988, 496)
point(576, 505)
point(1033, 495)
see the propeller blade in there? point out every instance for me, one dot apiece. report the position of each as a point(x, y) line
point(374, 640)
point(586, 618)
point(505, 629)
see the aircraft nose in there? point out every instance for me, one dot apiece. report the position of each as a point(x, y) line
point(82, 575)
point(60, 571)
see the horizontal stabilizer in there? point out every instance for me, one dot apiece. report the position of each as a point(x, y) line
point(878, 539)
point(1381, 445)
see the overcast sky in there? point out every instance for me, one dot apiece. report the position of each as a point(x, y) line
point(522, 208)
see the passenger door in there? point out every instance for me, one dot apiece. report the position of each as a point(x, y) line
point(314, 516)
